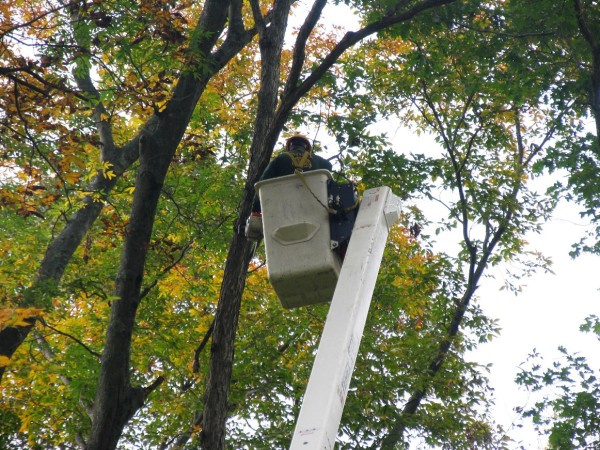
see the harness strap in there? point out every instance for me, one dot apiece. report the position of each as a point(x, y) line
point(301, 161)
point(354, 206)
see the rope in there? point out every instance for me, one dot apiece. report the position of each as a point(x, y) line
point(333, 211)
point(303, 161)
point(301, 176)
point(354, 206)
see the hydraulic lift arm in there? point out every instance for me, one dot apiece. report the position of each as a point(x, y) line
point(323, 403)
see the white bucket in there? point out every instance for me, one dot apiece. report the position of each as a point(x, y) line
point(301, 265)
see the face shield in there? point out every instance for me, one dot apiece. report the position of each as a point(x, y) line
point(298, 146)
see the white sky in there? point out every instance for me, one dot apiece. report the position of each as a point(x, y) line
point(545, 315)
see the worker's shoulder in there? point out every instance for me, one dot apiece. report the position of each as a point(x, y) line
point(282, 158)
point(281, 154)
point(321, 162)
point(279, 166)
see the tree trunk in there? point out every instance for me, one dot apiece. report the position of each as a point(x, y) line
point(222, 348)
point(240, 250)
point(116, 400)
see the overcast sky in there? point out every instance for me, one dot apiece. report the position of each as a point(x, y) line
point(545, 315)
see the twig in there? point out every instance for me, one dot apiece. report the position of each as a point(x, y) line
point(73, 338)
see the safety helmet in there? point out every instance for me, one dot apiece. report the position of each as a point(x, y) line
point(297, 137)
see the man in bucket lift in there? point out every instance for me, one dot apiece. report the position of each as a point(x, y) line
point(342, 199)
point(296, 156)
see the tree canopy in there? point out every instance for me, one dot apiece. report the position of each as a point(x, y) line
point(131, 136)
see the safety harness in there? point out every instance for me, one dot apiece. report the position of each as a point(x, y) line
point(300, 161)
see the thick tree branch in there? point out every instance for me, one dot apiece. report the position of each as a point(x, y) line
point(393, 17)
point(300, 46)
point(259, 20)
point(236, 22)
point(587, 34)
point(241, 250)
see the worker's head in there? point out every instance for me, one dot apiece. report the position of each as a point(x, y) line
point(298, 144)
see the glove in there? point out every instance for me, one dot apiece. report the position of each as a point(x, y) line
point(254, 227)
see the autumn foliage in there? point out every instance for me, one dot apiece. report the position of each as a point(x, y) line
point(131, 136)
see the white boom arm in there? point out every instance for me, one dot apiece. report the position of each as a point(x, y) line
point(323, 403)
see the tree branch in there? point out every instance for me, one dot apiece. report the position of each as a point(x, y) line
point(49, 354)
point(6, 32)
point(73, 338)
point(81, 75)
point(259, 21)
point(165, 270)
point(300, 46)
point(587, 34)
point(393, 17)
point(205, 339)
point(590, 37)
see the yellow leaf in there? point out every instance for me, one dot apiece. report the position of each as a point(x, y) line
point(78, 162)
point(161, 105)
point(18, 317)
point(72, 177)
point(4, 361)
